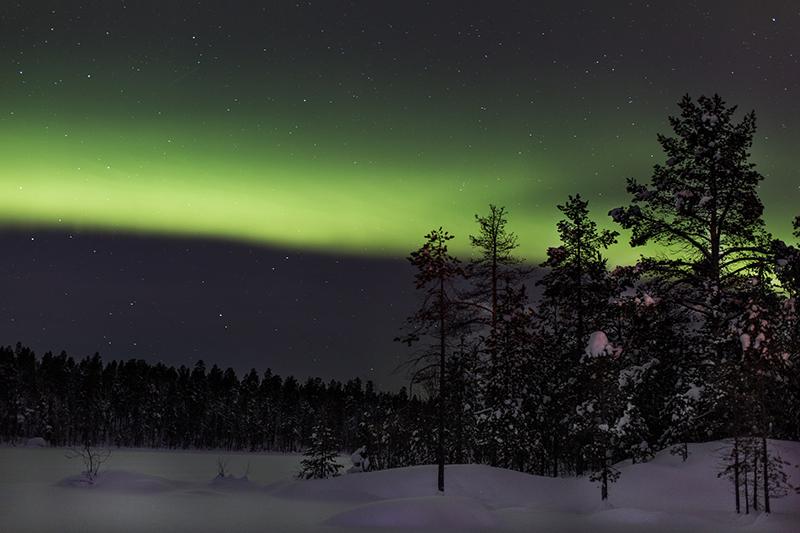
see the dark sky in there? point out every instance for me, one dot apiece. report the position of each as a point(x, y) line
point(180, 300)
point(159, 159)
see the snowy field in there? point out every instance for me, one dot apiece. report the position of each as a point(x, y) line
point(147, 490)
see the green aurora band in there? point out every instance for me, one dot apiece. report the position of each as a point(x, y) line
point(327, 170)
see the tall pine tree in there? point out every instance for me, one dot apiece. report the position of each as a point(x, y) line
point(436, 273)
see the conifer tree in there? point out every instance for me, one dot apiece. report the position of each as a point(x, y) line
point(577, 278)
point(702, 207)
point(321, 456)
point(509, 391)
point(602, 417)
point(764, 372)
point(494, 264)
point(647, 329)
point(437, 270)
point(463, 377)
point(575, 296)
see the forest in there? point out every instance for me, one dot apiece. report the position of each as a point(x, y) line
point(697, 341)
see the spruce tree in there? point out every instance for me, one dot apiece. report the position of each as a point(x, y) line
point(510, 390)
point(576, 280)
point(575, 296)
point(763, 372)
point(321, 456)
point(647, 329)
point(464, 380)
point(603, 418)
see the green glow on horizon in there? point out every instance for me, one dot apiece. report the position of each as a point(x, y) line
point(343, 178)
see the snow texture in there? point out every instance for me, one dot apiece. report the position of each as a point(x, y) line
point(40, 491)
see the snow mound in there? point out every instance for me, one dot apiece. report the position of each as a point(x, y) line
point(627, 515)
point(36, 442)
point(233, 483)
point(122, 481)
point(428, 512)
point(495, 488)
point(645, 494)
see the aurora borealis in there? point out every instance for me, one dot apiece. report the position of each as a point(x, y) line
point(348, 127)
point(352, 128)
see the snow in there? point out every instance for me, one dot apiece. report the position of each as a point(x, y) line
point(744, 338)
point(710, 118)
point(36, 442)
point(634, 374)
point(360, 463)
point(430, 512)
point(233, 483)
point(694, 392)
point(598, 345)
point(704, 200)
point(648, 300)
point(159, 490)
point(122, 481)
point(623, 422)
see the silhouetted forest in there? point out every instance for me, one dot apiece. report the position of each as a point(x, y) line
point(135, 403)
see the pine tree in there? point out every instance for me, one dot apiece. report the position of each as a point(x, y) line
point(603, 418)
point(437, 318)
point(788, 274)
point(647, 329)
point(575, 296)
point(577, 278)
point(763, 372)
point(509, 388)
point(321, 456)
point(702, 208)
point(464, 378)
point(704, 200)
point(493, 266)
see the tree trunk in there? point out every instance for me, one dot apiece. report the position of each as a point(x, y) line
point(604, 484)
point(555, 457)
point(765, 467)
point(736, 473)
point(579, 332)
point(755, 481)
point(441, 385)
point(746, 493)
point(459, 444)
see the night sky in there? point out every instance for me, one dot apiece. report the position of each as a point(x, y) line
point(239, 181)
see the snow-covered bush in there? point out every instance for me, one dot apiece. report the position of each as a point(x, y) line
point(360, 461)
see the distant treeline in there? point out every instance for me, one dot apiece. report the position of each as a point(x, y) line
point(135, 403)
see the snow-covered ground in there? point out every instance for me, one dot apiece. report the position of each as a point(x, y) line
point(157, 490)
